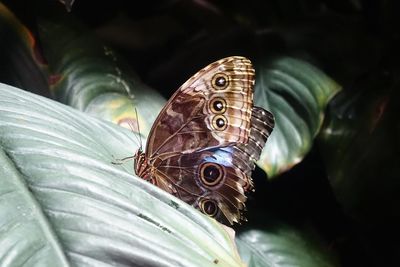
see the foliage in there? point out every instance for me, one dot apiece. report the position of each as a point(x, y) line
point(326, 69)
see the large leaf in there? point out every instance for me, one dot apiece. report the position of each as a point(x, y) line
point(20, 61)
point(296, 93)
point(63, 203)
point(361, 149)
point(360, 145)
point(92, 77)
point(280, 245)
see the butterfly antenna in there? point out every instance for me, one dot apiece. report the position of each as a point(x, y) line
point(132, 127)
point(133, 130)
point(140, 135)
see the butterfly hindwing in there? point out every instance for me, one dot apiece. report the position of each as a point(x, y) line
point(215, 180)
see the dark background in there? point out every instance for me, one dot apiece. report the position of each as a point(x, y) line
point(354, 42)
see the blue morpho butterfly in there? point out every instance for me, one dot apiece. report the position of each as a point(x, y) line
point(204, 143)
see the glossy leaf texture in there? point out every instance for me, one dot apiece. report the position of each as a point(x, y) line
point(282, 245)
point(91, 77)
point(21, 64)
point(63, 203)
point(297, 93)
point(360, 147)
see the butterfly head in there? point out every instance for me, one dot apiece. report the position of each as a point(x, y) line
point(140, 163)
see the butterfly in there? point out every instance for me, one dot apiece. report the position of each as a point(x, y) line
point(204, 143)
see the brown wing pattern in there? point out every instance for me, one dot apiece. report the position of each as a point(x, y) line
point(204, 144)
point(262, 124)
point(212, 108)
point(220, 196)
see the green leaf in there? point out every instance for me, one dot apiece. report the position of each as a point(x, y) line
point(280, 245)
point(27, 238)
point(91, 76)
point(20, 59)
point(63, 203)
point(360, 146)
point(296, 93)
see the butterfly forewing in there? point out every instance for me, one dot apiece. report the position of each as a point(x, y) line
point(204, 143)
point(206, 112)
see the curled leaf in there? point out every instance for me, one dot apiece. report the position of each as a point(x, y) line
point(297, 93)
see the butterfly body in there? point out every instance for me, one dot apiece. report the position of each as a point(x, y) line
point(203, 145)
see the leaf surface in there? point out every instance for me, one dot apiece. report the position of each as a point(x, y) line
point(63, 201)
point(297, 93)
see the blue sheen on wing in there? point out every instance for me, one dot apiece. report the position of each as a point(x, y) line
point(222, 155)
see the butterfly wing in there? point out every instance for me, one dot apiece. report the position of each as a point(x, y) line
point(215, 180)
point(203, 145)
point(213, 108)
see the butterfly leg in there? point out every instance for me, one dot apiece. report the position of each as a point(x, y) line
point(122, 161)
